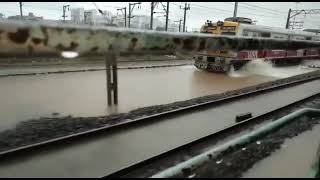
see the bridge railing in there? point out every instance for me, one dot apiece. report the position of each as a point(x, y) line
point(24, 38)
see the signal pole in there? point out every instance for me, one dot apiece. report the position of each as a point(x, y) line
point(131, 10)
point(64, 12)
point(235, 9)
point(185, 14)
point(125, 15)
point(21, 15)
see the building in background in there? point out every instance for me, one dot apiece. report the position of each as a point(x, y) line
point(90, 16)
point(106, 19)
point(143, 22)
point(77, 15)
point(173, 27)
point(30, 17)
point(140, 22)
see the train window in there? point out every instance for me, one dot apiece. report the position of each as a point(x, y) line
point(299, 38)
point(245, 33)
point(228, 33)
point(316, 39)
point(308, 38)
point(265, 34)
point(279, 36)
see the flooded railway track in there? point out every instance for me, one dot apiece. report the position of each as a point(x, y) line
point(21, 152)
point(169, 159)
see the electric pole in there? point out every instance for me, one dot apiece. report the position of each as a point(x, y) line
point(167, 16)
point(292, 15)
point(235, 9)
point(153, 5)
point(185, 14)
point(64, 12)
point(21, 15)
point(131, 10)
point(288, 19)
point(166, 11)
point(125, 15)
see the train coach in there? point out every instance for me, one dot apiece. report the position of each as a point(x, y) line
point(223, 60)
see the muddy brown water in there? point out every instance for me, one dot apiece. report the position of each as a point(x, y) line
point(84, 93)
point(103, 155)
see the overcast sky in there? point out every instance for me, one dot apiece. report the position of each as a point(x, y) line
point(265, 13)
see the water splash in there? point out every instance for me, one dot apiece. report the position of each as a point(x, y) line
point(265, 68)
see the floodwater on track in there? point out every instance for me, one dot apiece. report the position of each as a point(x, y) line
point(84, 93)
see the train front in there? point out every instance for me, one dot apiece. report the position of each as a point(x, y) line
point(217, 61)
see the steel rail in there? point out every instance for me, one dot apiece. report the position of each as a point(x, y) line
point(138, 121)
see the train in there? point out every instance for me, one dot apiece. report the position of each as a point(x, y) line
point(224, 60)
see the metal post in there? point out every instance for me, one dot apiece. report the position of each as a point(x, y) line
point(115, 78)
point(21, 15)
point(184, 17)
point(151, 16)
point(129, 15)
point(64, 12)
point(130, 11)
point(235, 9)
point(167, 16)
point(112, 77)
point(185, 14)
point(108, 74)
point(288, 19)
point(125, 16)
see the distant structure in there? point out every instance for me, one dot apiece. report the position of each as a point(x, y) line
point(92, 17)
point(106, 19)
point(143, 22)
point(77, 15)
point(30, 17)
point(316, 31)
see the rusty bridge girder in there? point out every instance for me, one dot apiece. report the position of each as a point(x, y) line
point(25, 38)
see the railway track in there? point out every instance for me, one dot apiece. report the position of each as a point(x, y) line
point(60, 142)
